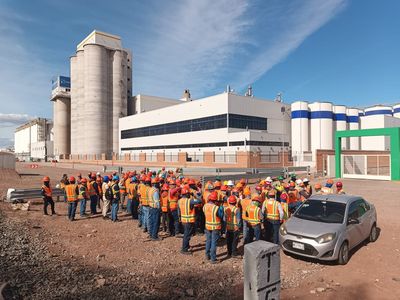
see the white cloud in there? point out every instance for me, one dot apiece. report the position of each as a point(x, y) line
point(14, 119)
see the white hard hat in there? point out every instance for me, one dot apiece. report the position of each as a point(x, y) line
point(306, 180)
point(57, 186)
point(98, 173)
point(298, 181)
point(269, 179)
point(230, 183)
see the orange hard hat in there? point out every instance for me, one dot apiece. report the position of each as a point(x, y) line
point(329, 181)
point(147, 179)
point(317, 186)
point(224, 188)
point(232, 200)
point(72, 179)
point(217, 184)
point(247, 191)
point(185, 180)
point(185, 191)
point(165, 187)
point(191, 181)
point(292, 184)
point(239, 185)
point(84, 180)
point(46, 179)
point(155, 180)
point(213, 196)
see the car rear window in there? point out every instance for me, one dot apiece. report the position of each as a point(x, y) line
point(321, 211)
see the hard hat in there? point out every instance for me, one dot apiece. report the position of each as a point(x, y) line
point(213, 196)
point(317, 186)
point(247, 191)
point(269, 179)
point(271, 193)
point(72, 179)
point(106, 179)
point(177, 182)
point(224, 188)
point(134, 179)
point(57, 186)
point(329, 181)
point(258, 188)
point(279, 188)
point(115, 177)
point(280, 178)
point(84, 180)
point(239, 185)
point(185, 191)
point(298, 181)
point(230, 183)
point(292, 184)
point(147, 179)
point(306, 180)
point(210, 186)
point(165, 187)
point(186, 180)
point(232, 200)
point(155, 180)
point(339, 184)
point(46, 179)
point(98, 174)
point(284, 196)
point(217, 184)
point(191, 181)
point(226, 182)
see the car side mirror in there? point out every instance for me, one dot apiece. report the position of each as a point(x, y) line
point(352, 221)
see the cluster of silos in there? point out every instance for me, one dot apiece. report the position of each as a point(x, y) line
point(100, 88)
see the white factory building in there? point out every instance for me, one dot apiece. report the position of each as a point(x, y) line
point(223, 123)
point(34, 140)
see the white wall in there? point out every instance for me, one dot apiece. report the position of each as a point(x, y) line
point(377, 121)
point(144, 103)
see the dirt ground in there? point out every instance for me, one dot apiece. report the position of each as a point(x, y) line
point(117, 260)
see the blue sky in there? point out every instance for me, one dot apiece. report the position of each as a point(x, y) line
point(337, 50)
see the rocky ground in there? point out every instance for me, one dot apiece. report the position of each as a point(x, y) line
point(50, 257)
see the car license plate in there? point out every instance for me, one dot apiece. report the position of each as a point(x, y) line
point(299, 246)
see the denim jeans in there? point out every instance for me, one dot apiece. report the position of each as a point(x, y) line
point(83, 207)
point(72, 210)
point(212, 237)
point(232, 240)
point(245, 230)
point(114, 210)
point(174, 222)
point(93, 203)
point(154, 220)
point(129, 206)
point(272, 231)
point(145, 217)
point(187, 233)
point(253, 232)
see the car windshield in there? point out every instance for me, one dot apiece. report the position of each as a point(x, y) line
point(321, 211)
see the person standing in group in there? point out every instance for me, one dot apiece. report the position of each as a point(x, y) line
point(107, 196)
point(115, 198)
point(47, 194)
point(93, 193)
point(243, 204)
point(273, 212)
point(232, 219)
point(144, 202)
point(173, 197)
point(122, 190)
point(63, 182)
point(133, 202)
point(214, 215)
point(83, 196)
point(154, 210)
point(188, 217)
point(254, 217)
point(164, 207)
point(71, 193)
point(339, 188)
point(99, 182)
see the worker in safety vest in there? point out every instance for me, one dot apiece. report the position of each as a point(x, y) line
point(232, 219)
point(195, 193)
point(47, 194)
point(307, 187)
point(283, 197)
point(243, 204)
point(116, 197)
point(253, 220)
point(133, 201)
point(328, 188)
point(83, 196)
point(63, 182)
point(140, 210)
point(122, 190)
point(339, 188)
point(187, 216)
point(93, 193)
point(214, 215)
point(173, 197)
point(273, 212)
point(317, 188)
point(164, 207)
point(144, 194)
point(294, 196)
point(71, 193)
point(154, 209)
point(99, 182)
point(107, 196)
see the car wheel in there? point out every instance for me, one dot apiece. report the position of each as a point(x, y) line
point(343, 254)
point(373, 235)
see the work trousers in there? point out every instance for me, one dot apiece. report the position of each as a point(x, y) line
point(200, 220)
point(245, 231)
point(140, 216)
point(212, 237)
point(46, 202)
point(154, 219)
point(232, 240)
point(145, 218)
point(134, 208)
point(272, 231)
point(121, 207)
point(72, 210)
point(93, 204)
point(253, 232)
point(173, 222)
point(83, 207)
point(106, 206)
point(114, 210)
point(187, 234)
point(164, 221)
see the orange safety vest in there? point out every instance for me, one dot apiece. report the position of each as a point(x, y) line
point(253, 215)
point(244, 203)
point(150, 195)
point(164, 201)
point(173, 201)
point(272, 210)
point(187, 213)
point(70, 191)
point(82, 194)
point(231, 218)
point(90, 188)
point(132, 190)
point(213, 221)
point(205, 196)
point(122, 187)
point(144, 194)
point(48, 192)
point(285, 208)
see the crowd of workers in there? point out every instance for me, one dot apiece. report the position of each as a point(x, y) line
point(182, 206)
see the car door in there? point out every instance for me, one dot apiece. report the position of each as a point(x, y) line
point(354, 231)
point(364, 216)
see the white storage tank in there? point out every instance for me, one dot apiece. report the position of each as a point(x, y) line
point(321, 123)
point(378, 110)
point(300, 127)
point(74, 103)
point(396, 111)
point(353, 121)
point(340, 119)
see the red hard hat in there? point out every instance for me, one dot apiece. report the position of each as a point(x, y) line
point(185, 191)
point(339, 184)
point(72, 179)
point(177, 182)
point(84, 180)
point(46, 179)
point(155, 180)
point(165, 187)
point(292, 184)
point(185, 180)
point(284, 196)
point(213, 196)
point(224, 188)
point(147, 179)
point(232, 199)
point(192, 181)
point(258, 188)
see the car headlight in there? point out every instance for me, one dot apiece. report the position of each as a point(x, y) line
point(325, 238)
point(283, 230)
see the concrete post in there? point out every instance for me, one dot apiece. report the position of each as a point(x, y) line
point(261, 267)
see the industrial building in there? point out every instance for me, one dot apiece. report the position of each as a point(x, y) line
point(101, 85)
point(34, 140)
point(223, 124)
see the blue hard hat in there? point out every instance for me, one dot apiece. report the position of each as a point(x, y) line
point(134, 179)
point(106, 179)
point(115, 177)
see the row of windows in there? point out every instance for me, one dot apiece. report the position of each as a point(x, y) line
point(207, 145)
point(207, 123)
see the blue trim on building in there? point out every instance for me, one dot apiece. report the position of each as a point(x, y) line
point(321, 115)
point(396, 110)
point(352, 119)
point(378, 112)
point(361, 114)
point(300, 114)
point(339, 117)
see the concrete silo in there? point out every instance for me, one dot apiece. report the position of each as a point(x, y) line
point(353, 121)
point(321, 123)
point(374, 117)
point(340, 119)
point(300, 127)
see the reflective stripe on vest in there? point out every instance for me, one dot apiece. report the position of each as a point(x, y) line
point(173, 201)
point(151, 192)
point(244, 203)
point(90, 189)
point(231, 218)
point(70, 191)
point(253, 213)
point(144, 194)
point(213, 221)
point(48, 192)
point(272, 209)
point(164, 201)
point(285, 209)
point(132, 190)
point(187, 214)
